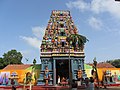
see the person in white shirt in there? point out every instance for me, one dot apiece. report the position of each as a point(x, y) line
point(58, 80)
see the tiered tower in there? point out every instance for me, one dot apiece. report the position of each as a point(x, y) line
point(55, 50)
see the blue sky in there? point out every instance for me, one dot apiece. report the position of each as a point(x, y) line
point(22, 25)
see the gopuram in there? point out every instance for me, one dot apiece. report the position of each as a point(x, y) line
point(56, 54)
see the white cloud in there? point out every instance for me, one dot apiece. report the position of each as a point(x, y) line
point(33, 41)
point(110, 6)
point(38, 31)
point(95, 23)
point(36, 40)
point(78, 4)
point(97, 6)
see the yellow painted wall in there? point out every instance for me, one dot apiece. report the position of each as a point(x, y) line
point(101, 70)
point(88, 72)
point(21, 74)
point(113, 71)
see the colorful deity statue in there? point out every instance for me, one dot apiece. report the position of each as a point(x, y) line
point(46, 75)
point(115, 77)
point(79, 74)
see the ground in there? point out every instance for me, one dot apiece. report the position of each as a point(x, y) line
point(59, 88)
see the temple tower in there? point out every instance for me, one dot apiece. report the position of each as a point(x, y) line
point(55, 50)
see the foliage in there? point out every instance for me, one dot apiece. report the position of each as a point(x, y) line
point(11, 57)
point(1, 63)
point(74, 39)
point(115, 62)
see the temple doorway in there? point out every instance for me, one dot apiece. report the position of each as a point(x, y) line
point(62, 69)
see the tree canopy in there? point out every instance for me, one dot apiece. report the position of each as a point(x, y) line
point(1, 63)
point(115, 62)
point(76, 38)
point(11, 57)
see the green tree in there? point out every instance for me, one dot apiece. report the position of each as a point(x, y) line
point(12, 57)
point(76, 39)
point(1, 63)
point(115, 62)
point(73, 40)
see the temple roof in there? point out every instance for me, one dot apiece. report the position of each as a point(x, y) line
point(103, 65)
point(17, 67)
point(60, 26)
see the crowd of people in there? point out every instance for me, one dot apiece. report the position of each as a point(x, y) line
point(63, 81)
point(87, 82)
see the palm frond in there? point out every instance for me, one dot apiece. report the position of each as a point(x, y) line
point(74, 38)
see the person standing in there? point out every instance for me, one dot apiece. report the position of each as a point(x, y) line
point(91, 84)
point(58, 80)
